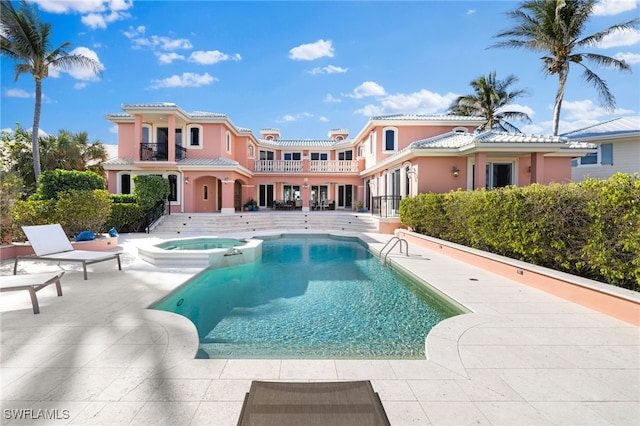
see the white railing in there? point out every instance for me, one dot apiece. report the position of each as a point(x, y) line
point(286, 166)
point(315, 166)
point(333, 166)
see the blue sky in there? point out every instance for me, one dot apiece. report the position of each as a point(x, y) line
point(302, 67)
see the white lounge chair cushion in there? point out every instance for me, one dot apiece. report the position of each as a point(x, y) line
point(47, 239)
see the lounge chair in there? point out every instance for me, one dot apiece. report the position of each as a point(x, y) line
point(32, 283)
point(50, 243)
point(321, 403)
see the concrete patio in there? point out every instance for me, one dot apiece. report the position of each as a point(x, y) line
point(97, 356)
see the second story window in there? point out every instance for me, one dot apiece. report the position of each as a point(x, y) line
point(146, 131)
point(390, 139)
point(319, 156)
point(229, 142)
point(267, 155)
point(292, 156)
point(250, 150)
point(194, 136)
point(345, 155)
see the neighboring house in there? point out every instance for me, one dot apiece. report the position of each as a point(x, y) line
point(618, 142)
point(215, 166)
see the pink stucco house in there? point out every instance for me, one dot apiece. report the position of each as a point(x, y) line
point(215, 166)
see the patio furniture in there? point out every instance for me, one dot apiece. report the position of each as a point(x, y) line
point(50, 243)
point(322, 403)
point(32, 283)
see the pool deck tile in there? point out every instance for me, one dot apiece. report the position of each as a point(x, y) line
point(521, 356)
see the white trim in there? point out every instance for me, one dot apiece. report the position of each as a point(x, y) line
point(200, 136)
point(384, 139)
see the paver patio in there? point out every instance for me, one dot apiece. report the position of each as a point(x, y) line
point(97, 356)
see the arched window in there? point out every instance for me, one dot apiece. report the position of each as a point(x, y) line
point(390, 135)
point(195, 136)
point(251, 150)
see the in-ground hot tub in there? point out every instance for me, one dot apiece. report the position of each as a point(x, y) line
point(202, 252)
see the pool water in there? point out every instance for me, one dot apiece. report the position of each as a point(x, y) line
point(309, 297)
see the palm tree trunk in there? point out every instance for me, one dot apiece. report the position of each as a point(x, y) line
point(562, 81)
point(35, 145)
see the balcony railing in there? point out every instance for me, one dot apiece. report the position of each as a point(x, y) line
point(333, 166)
point(315, 166)
point(160, 152)
point(386, 205)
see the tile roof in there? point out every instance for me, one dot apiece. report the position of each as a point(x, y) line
point(616, 127)
point(220, 161)
point(305, 143)
point(120, 161)
point(459, 139)
point(426, 117)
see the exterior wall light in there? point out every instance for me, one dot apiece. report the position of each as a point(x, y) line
point(186, 180)
point(225, 180)
point(455, 170)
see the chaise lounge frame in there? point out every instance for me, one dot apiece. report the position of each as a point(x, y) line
point(32, 283)
point(50, 243)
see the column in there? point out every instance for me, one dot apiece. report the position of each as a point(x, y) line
point(171, 121)
point(480, 171)
point(228, 197)
point(537, 167)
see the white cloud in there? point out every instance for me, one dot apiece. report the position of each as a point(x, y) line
point(471, 12)
point(628, 57)
point(82, 73)
point(330, 98)
point(323, 119)
point(96, 13)
point(288, 118)
point(212, 57)
point(519, 108)
point(187, 79)
point(614, 7)
point(17, 93)
point(422, 102)
point(311, 51)
point(135, 32)
point(620, 38)
point(79, 86)
point(368, 88)
point(167, 58)
point(329, 69)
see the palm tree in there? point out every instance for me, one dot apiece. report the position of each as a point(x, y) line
point(27, 40)
point(555, 27)
point(489, 100)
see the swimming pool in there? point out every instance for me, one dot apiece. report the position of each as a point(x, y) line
point(315, 297)
point(199, 243)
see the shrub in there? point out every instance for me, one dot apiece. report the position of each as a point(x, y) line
point(11, 187)
point(30, 212)
point(591, 229)
point(149, 190)
point(123, 198)
point(125, 217)
point(53, 182)
point(80, 210)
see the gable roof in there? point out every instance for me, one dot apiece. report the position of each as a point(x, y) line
point(615, 128)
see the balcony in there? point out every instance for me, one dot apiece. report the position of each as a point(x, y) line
point(300, 166)
point(160, 152)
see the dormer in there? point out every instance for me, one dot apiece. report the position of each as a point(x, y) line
point(270, 134)
point(338, 134)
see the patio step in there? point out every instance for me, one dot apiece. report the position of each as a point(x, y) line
point(214, 223)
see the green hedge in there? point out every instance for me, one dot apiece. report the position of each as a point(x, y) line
point(591, 229)
point(126, 217)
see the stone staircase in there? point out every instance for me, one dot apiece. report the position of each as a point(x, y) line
point(215, 223)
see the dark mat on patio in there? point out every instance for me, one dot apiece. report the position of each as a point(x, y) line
point(312, 404)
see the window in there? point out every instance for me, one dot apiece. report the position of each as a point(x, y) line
point(319, 156)
point(499, 175)
point(205, 192)
point(361, 150)
point(179, 137)
point(390, 139)
point(194, 136)
point(146, 131)
point(125, 183)
point(604, 155)
point(228, 141)
point(251, 150)
point(267, 155)
point(345, 155)
point(372, 142)
point(173, 187)
point(292, 156)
